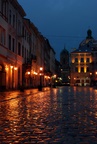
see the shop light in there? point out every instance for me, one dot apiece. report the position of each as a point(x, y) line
point(41, 68)
point(11, 66)
point(28, 73)
point(6, 68)
point(15, 68)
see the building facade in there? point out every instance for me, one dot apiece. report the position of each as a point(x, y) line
point(82, 60)
point(22, 48)
point(11, 21)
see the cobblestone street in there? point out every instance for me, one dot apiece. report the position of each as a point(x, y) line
point(64, 115)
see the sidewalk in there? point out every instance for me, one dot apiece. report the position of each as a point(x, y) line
point(8, 95)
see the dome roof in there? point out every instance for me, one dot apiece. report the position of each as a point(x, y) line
point(87, 44)
point(88, 41)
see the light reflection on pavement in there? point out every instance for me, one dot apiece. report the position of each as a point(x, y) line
point(64, 115)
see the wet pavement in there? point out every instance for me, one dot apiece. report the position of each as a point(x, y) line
point(64, 115)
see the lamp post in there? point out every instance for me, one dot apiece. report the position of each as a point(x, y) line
point(40, 73)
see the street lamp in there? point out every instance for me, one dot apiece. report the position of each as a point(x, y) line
point(40, 73)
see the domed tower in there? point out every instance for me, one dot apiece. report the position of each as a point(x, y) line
point(64, 61)
point(87, 43)
point(84, 62)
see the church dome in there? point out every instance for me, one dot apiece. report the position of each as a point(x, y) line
point(88, 41)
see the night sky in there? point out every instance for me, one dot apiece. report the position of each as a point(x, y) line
point(63, 22)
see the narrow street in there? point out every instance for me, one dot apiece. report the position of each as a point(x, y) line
point(63, 115)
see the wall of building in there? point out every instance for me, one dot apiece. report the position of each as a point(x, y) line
point(22, 49)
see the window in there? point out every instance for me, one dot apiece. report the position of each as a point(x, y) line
point(3, 9)
point(14, 21)
point(88, 60)
point(76, 59)
point(82, 69)
point(23, 30)
point(13, 45)
point(82, 59)
point(19, 49)
point(28, 37)
point(19, 27)
point(22, 51)
point(76, 69)
point(2, 36)
point(10, 16)
point(87, 69)
point(25, 34)
point(9, 42)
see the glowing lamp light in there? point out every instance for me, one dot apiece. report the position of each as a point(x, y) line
point(35, 73)
point(90, 73)
point(15, 68)
point(79, 61)
point(11, 67)
point(96, 73)
point(54, 76)
point(41, 68)
point(28, 73)
point(45, 76)
point(6, 68)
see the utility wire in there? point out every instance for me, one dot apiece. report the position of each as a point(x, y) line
point(65, 36)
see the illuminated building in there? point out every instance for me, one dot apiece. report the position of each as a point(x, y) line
point(11, 20)
point(22, 49)
point(81, 62)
